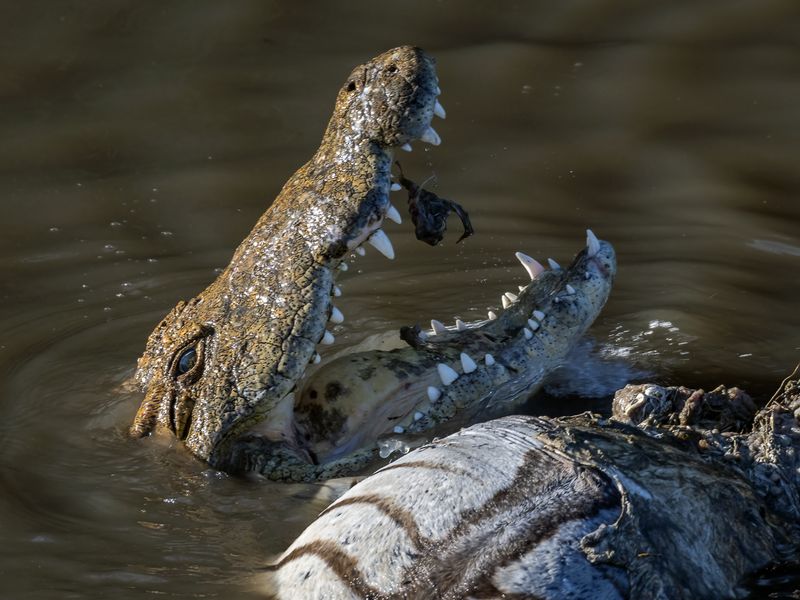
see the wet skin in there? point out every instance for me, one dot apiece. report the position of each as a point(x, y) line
point(221, 371)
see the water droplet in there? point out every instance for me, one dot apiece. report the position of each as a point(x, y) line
point(166, 233)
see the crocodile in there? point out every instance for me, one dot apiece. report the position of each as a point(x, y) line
point(680, 494)
point(233, 373)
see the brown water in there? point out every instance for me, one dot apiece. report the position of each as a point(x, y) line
point(141, 141)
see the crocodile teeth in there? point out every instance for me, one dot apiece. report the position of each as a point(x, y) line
point(407, 147)
point(460, 325)
point(506, 302)
point(570, 289)
point(528, 333)
point(431, 137)
point(439, 111)
point(533, 325)
point(398, 429)
point(538, 315)
point(492, 315)
point(328, 338)
point(489, 360)
point(337, 291)
point(438, 327)
point(521, 288)
point(343, 266)
point(511, 297)
point(418, 415)
point(553, 264)
point(382, 244)
point(437, 90)
point(592, 243)
point(467, 363)
point(434, 393)
point(360, 251)
point(532, 266)
point(395, 187)
point(317, 359)
point(393, 215)
point(446, 374)
point(336, 316)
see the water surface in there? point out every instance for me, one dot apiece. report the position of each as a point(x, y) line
point(140, 143)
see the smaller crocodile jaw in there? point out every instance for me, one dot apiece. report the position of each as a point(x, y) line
point(353, 401)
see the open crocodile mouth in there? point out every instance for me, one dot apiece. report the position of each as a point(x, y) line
point(434, 380)
point(233, 372)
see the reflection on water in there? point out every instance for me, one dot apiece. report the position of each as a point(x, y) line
point(141, 143)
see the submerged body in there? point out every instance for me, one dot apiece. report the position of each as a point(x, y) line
point(654, 503)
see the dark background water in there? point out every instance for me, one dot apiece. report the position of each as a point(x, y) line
point(141, 141)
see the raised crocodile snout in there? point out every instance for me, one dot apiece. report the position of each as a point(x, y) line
point(250, 335)
point(222, 371)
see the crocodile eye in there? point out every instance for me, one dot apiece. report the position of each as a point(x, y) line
point(186, 361)
point(351, 86)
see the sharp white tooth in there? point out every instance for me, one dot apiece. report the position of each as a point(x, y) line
point(521, 288)
point(434, 393)
point(506, 302)
point(439, 111)
point(395, 187)
point(570, 289)
point(460, 325)
point(328, 338)
point(446, 374)
point(492, 315)
point(418, 415)
point(393, 215)
point(528, 333)
point(533, 325)
point(343, 266)
point(360, 251)
point(406, 147)
point(489, 360)
point(431, 137)
point(538, 315)
point(532, 266)
point(382, 244)
point(587, 275)
point(553, 264)
point(592, 243)
point(336, 316)
point(337, 291)
point(398, 429)
point(317, 359)
point(467, 364)
point(511, 297)
point(437, 91)
point(438, 327)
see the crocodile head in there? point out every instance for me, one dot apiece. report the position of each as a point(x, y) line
point(224, 371)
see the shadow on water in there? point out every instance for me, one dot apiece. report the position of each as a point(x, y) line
point(141, 142)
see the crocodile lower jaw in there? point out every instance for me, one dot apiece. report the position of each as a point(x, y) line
point(441, 377)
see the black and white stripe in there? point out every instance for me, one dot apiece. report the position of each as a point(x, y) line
point(486, 512)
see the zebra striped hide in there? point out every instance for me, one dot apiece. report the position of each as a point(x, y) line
point(526, 507)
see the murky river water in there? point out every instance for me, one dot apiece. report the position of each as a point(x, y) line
point(141, 141)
